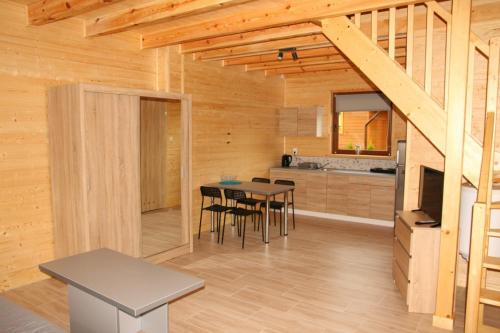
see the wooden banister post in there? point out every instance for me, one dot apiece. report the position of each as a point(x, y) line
point(454, 152)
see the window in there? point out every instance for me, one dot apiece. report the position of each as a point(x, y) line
point(361, 122)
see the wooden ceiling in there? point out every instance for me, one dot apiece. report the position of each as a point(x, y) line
point(236, 32)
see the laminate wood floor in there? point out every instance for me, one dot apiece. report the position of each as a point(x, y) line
point(161, 230)
point(324, 277)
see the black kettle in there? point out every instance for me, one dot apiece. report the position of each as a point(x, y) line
point(286, 160)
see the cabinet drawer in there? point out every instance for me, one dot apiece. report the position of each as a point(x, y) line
point(402, 258)
point(372, 180)
point(403, 234)
point(400, 280)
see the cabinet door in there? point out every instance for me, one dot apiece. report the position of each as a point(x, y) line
point(112, 170)
point(310, 121)
point(337, 194)
point(316, 192)
point(358, 200)
point(288, 121)
point(300, 192)
point(382, 203)
point(307, 122)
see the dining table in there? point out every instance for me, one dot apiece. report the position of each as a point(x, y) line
point(265, 189)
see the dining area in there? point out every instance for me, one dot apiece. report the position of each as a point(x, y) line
point(236, 202)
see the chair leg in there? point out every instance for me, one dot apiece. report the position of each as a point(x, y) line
point(244, 228)
point(238, 224)
point(199, 228)
point(223, 229)
point(281, 223)
point(293, 215)
point(261, 220)
point(253, 220)
point(274, 213)
point(218, 226)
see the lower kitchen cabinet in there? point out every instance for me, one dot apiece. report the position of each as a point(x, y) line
point(364, 196)
point(316, 192)
point(300, 192)
point(336, 197)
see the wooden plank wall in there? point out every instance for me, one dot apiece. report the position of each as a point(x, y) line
point(153, 123)
point(316, 89)
point(35, 58)
point(160, 154)
point(235, 124)
point(173, 176)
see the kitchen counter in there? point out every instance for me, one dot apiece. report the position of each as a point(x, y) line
point(335, 171)
point(354, 193)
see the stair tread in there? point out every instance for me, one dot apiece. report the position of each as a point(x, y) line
point(494, 232)
point(492, 263)
point(490, 297)
point(496, 177)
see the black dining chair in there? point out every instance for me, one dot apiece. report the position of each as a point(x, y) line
point(254, 203)
point(277, 205)
point(240, 214)
point(215, 196)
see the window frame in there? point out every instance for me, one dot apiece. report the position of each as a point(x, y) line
point(335, 130)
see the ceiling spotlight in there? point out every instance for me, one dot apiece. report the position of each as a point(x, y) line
point(292, 50)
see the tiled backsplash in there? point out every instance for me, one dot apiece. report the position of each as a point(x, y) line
point(353, 163)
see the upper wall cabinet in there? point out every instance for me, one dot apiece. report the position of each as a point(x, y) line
point(301, 121)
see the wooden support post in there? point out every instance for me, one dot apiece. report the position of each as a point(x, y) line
point(409, 40)
point(392, 32)
point(454, 152)
point(375, 26)
point(428, 50)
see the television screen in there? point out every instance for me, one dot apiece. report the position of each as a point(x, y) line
point(431, 192)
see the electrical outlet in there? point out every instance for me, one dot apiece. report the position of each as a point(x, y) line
point(295, 151)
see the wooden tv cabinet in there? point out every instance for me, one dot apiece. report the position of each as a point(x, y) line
point(415, 261)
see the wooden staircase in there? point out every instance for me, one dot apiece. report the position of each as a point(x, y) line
point(480, 262)
point(415, 99)
point(412, 98)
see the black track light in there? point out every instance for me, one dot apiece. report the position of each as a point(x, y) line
point(292, 50)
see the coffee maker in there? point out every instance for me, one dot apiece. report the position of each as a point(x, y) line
point(286, 160)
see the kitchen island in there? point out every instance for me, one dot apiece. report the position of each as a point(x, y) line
point(352, 195)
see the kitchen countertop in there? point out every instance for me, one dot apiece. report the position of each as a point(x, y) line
point(338, 171)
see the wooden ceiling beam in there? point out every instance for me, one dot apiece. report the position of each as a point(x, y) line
point(252, 37)
point(330, 59)
point(271, 56)
point(273, 13)
point(152, 12)
point(46, 11)
point(319, 68)
point(314, 41)
point(264, 58)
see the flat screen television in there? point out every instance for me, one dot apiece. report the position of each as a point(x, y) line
point(431, 192)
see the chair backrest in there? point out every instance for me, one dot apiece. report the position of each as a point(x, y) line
point(234, 194)
point(261, 180)
point(284, 182)
point(211, 192)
